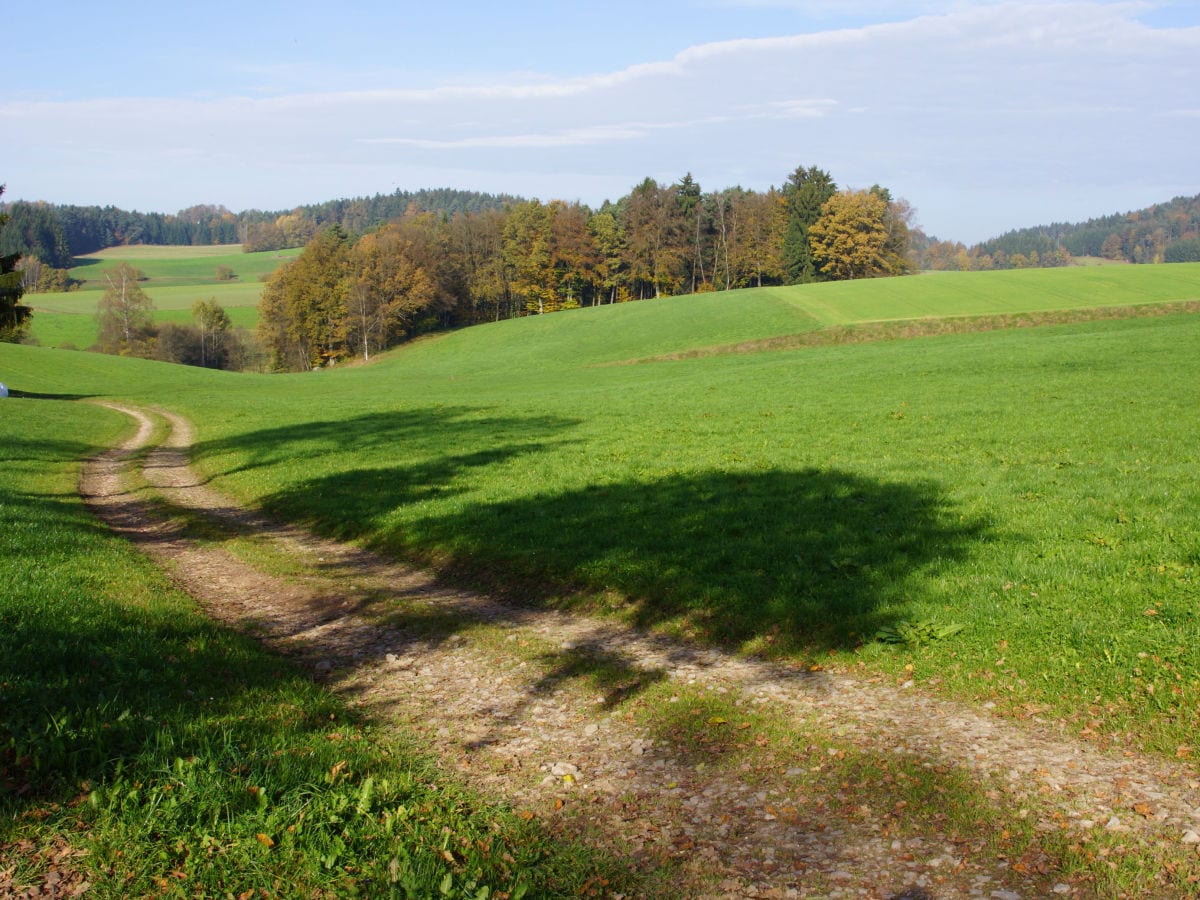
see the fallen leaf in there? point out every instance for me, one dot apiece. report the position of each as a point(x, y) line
point(716, 720)
point(525, 814)
point(265, 840)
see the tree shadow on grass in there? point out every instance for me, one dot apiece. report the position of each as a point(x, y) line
point(440, 432)
point(813, 558)
point(33, 395)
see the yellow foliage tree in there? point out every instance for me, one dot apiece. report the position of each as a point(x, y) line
point(849, 239)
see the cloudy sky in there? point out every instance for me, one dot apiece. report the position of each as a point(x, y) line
point(986, 116)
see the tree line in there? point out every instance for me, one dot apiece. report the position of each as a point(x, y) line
point(1166, 232)
point(54, 234)
point(354, 294)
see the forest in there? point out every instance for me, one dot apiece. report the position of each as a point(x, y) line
point(1166, 232)
point(348, 295)
point(48, 236)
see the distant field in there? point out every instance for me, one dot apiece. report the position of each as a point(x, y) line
point(679, 324)
point(70, 318)
point(79, 331)
point(1097, 261)
point(176, 278)
point(941, 294)
point(179, 265)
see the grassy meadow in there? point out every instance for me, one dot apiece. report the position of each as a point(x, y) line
point(176, 277)
point(1014, 291)
point(1034, 486)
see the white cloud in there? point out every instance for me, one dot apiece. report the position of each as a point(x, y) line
point(1020, 102)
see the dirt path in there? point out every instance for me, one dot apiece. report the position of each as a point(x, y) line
point(535, 708)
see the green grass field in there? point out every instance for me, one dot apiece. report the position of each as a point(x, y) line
point(176, 277)
point(941, 294)
point(1036, 486)
point(166, 266)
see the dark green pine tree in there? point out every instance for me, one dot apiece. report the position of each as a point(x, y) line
point(14, 317)
point(805, 192)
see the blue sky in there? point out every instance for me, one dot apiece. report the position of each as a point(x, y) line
point(985, 116)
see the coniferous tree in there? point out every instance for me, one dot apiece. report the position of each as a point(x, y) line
point(14, 317)
point(805, 193)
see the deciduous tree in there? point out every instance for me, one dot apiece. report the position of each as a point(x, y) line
point(849, 238)
point(527, 253)
point(610, 244)
point(653, 228)
point(124, 314)
point(302, 314)
point(213, 324)
point(387, 290)
point(573, 254)
point(757, 249)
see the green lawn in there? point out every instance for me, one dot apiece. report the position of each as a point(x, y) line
point(1036, 486)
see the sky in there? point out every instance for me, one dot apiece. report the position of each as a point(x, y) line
point(985, 116)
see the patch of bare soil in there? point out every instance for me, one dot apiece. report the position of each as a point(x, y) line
point(529, 707)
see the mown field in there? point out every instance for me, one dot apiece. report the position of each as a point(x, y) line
point(1034, 486)
point(176, 277)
